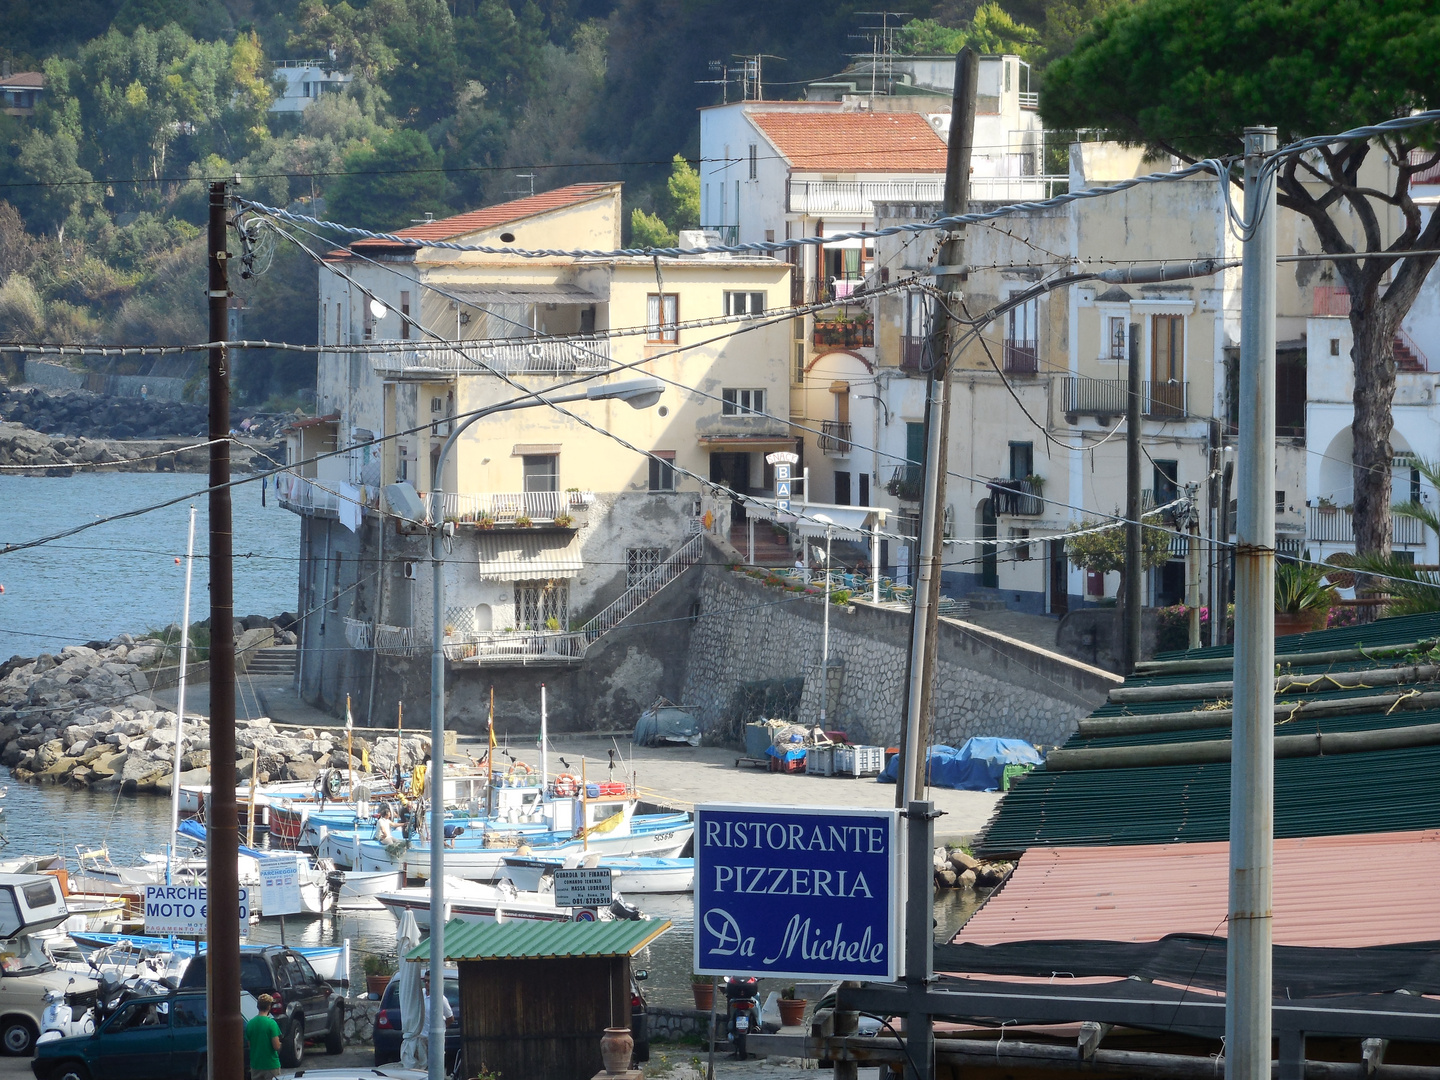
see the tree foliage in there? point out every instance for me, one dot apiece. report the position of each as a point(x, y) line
point(388, 184)
point(1185, 77)
point(1103, 551)
point(992, 30)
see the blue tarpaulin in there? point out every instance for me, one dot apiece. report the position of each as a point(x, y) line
point(979, 765)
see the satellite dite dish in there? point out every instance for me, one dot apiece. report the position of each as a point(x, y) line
point(378, 309)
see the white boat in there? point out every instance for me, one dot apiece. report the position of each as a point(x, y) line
point(331, 962)
point(350, 889)
point(472, 901)
point(629, 874)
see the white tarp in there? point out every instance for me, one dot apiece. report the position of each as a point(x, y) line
point(414, 1043)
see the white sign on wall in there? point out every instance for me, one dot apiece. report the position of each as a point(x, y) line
point(280, 885)
point(583, 887)
point(182, 910)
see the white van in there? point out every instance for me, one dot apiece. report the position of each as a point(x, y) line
point(30, 903)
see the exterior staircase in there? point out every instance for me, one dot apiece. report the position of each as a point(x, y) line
point(275, 660)
point(633, 598)
point(1405, 357)
point(768, 550)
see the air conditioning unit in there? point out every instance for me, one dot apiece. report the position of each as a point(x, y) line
point(412, 571)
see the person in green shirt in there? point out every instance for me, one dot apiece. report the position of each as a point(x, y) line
point(262, 1033)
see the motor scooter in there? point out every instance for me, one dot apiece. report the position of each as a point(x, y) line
point(60, 1019)
point(742, 1013)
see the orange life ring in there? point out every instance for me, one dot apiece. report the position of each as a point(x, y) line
point(565, 784)
point(521, 765)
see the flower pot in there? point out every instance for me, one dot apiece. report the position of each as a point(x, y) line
point(375, 984)
point(615, 1047)
point(1299, 622)
point(704, 995)
point(792, 1011)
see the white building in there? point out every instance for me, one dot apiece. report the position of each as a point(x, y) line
point(303, 82)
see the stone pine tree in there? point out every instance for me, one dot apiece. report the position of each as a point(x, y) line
point(1185, 77)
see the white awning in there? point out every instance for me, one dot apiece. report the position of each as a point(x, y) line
point(851, 522)
point(528, 556)
point(484, 295)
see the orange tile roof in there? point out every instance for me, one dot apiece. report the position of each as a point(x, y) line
point(23, 80)
point(1143, 892)
point(854, 142)
point(500, 214)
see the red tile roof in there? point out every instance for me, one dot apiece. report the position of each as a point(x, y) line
point(854, 142)
point(499, 214)
point(24, 80)
point(1143, 892)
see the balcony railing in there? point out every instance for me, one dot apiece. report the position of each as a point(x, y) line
point(912, 352)
point(306, 496)
point(1107, 397)
point(524, 356)
point(1337, 526)
point(502, 508)
point(728, 234)
point(1022, 357)
point(858, 196)
point(1018, 497)
point(847, 335)
point(516, 647)
point(835, 437)
point(905, 483)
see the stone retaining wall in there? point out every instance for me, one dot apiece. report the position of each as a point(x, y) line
point(669, 1024)
point(987, 683)
point(360, 1013)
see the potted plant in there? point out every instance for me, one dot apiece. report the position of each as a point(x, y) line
point(792, 1009)
point(1036, 483)
point(378, 970)
point(1324, 505)
point(522, 521)
point(564, 520)
point(485, 521)
point(552, 624)
point(1303, 598)
point(704, 990)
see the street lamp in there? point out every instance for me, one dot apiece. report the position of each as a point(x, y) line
point(829, 524)
point(639, 394)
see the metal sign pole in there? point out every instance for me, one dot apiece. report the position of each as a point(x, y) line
point(919, 936)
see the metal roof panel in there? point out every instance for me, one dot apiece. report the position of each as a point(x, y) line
point(543, 940)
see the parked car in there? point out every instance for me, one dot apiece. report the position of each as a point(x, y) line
point(306, 1007)
point(154, 1038)
point(390, 1027)
point(639, 1017)
point(27, 971)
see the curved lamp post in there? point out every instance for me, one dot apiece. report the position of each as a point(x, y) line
point(639, 394)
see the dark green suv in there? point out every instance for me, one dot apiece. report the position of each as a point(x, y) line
point(150, 1038)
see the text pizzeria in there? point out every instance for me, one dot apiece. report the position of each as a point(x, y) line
point(791, 881)
point(774, 836)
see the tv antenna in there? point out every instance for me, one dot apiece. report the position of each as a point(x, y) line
point(882, 47)
point(750, 70)
point(530, 176)
point(717, 67)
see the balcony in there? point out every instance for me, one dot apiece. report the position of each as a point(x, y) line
point(912, 352)
point(523, 356)
point(508, 507)
point(1022, 358)
point(843, 333)
point(1337, 526)
point(1107, 397)
point(1017, 497)
point(835, 437)
point(905, 483)
point(522, 647)
point(306, 496)
point(858, 197)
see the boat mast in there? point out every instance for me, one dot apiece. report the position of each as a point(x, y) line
point(544, 744)
point(180, 700)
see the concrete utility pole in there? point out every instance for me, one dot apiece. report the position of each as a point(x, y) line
point(1133, 565)
point(1192, 563)
point(948, 270)
point(224, 1042)
point(1248, 992)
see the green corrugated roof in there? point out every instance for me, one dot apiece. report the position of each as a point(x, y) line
point(1376, 791)
point(543, 940)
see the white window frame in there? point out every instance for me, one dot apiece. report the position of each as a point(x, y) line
point(742, 401)
point(745, 302)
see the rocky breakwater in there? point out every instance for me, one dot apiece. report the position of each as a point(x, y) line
point(956, 868)
point(51, 453)
point(83, 719)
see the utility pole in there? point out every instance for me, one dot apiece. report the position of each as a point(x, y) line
point(1133, 567)
point(949, 269)
point(224, 1042)
point(1192, 563)
point(1248, 991)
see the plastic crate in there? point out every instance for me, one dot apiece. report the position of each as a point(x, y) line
point(859, 760)
point(820, 761)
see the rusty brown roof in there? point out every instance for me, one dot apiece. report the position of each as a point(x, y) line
point(500, 214)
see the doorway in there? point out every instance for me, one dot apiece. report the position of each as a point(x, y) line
point(733, 471)
point(989, 549)
point(1059, 579)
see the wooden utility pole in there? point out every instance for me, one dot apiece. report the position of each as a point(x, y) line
point(224, 1039)
point(949, 273)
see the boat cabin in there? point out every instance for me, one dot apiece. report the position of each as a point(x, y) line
point(30, 903)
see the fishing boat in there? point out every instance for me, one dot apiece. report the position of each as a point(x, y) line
point(471, 901)
point(629, 874)
point(314, 883)
point(331, 962)
point(355, 889)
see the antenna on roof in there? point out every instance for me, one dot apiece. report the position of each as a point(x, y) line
point(717, 67)
point(882, 48)
point(750, 75)
point(530, 176)
point(429, 217)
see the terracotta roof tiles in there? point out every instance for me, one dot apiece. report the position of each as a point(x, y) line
point(489, 217)
point(854, 142)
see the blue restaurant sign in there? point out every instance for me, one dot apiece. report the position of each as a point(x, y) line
point(797, 892)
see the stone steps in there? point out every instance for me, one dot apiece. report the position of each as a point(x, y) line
point(275, 660)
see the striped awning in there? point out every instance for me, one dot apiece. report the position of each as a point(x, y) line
point(526, 556)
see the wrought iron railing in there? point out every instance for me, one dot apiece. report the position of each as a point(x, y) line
point(912, 352)
point(501, 508)
point(904, 483)
point(1017, 497)
point(304, 495)
point(1022, 357)
point(846, 333)
point(523, 356)
point(835, 436)
point(1107, 397)
point(401, 640)
point(357, 633)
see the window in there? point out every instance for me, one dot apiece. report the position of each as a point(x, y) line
point(914, 453)
point(1167, 487)
point(1334, 346)
point(402, 467)
point(754, 161)
point(662, 470)
point(741, 402)
point(639, 562)
point(1117, 340)
point(1279, 502)
point(367, 321)
point(404, 316)
point(662, 315)
point(541, 472)
point(1021, 345)
point(339, 340)
point(744, 303)
point(189, 1011)
point(1167, 366)
point(842, 488)
point(1022, 546)
point(537, 603)
point(1022, 460)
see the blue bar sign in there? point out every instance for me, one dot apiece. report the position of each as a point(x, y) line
point(797, 892)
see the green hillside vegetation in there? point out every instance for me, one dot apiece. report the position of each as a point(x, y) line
point(103, 190)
